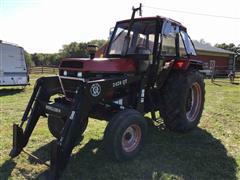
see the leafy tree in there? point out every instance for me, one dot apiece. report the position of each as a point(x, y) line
point(74, 49)
point(229, 47)
point(71, 50)
point(38, 59)
point(202, 41)
point(97, 42)
point(28, 59)
point(54, 59)
point(233, 48)
point(237, 50)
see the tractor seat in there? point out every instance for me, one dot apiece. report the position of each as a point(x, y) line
point(142, 50)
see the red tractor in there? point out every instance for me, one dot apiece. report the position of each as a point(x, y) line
point(147, 67)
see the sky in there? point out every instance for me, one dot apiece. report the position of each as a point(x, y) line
point(45, 25)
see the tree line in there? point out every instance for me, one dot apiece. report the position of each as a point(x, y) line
point(71, 50)
point(230, 47)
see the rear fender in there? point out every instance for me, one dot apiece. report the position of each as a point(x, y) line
point(195, 64)
point(183, 64)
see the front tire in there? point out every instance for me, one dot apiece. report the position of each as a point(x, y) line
point(182, 100)
point(56, 124)
point(125, 134)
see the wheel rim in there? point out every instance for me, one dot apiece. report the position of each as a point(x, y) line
point(194, 100)
point(131, 138)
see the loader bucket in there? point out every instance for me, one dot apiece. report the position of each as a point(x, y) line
point(39, 105)
point(44, 88)
point(17, 141)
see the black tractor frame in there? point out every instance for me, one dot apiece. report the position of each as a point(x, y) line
point(171, 85)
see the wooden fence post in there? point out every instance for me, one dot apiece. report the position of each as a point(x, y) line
point(212, 68)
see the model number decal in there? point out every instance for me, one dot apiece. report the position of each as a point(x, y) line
point(119, 83)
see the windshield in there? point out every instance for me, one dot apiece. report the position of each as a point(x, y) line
point(142, 36)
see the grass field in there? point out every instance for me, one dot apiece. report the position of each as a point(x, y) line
point(212, 151)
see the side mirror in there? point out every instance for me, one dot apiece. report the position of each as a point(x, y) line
point(92, 49)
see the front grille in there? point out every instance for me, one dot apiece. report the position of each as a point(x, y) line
point(70, 86)
point(72, 73)
point(71, 64)
point(69, 73)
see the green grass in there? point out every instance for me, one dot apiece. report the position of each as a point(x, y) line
point(211, 151)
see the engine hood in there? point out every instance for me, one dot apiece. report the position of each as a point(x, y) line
point(112, 65)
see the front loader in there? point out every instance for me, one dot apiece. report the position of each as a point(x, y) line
point(148, 66)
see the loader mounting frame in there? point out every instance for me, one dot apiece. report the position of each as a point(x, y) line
point(86, 95)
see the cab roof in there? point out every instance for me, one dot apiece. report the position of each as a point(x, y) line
point(160, 18)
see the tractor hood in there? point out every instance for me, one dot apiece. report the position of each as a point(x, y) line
point(111, 65)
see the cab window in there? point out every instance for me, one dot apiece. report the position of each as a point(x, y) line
point(169, 39)
point(188, 43)
point(182, 50)
point(168, 45)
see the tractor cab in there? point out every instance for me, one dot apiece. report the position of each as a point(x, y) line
point(151, 38)
point(140, 42)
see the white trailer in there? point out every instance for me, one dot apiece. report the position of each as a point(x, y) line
point(13, 68)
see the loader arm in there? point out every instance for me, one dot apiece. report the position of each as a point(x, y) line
point(87, 94)
point(44, 88)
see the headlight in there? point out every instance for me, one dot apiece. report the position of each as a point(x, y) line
point(79, 74)
point(65, 73)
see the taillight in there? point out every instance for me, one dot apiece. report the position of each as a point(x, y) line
point(181, 64)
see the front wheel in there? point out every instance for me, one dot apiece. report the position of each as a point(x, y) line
point(125, 134)
point(56, 124)
point(182, 100)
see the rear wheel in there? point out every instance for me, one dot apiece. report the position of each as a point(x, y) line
point(182, 100)
point(56, 124)
point(125, 134)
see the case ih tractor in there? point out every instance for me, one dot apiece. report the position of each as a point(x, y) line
point(148, 67)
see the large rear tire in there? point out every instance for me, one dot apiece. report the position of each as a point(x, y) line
point(125, 134)
point(182, 99)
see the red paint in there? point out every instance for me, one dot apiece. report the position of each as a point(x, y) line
point(221, 62)
point(181, 64)
point(107, 65)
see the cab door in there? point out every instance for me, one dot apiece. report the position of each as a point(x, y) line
point(168, 51)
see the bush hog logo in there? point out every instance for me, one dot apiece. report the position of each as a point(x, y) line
point(95, 90)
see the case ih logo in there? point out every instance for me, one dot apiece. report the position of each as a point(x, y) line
point(95, 90)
